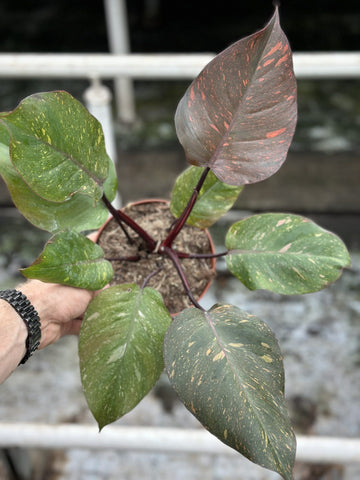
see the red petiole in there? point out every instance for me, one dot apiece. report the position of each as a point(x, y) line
point(165, 247)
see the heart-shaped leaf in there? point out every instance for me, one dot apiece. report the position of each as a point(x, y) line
point(226, 367)
point(120, 349)
point(71, 259)
point(238, 116)
point(284, 253)
point(78, 213)
point(214, 200)
point(57, 147)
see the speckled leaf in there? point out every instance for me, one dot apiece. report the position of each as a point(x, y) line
point(284, 253)
point(226, 367)
point(214, 200)
point(78, 213)
point(57, 147)
point(238, 116)
point(72, 259)
point(120, 349)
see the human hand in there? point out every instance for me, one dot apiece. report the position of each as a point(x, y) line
point(60, 308)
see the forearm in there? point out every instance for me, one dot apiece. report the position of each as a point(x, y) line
point(13, 334)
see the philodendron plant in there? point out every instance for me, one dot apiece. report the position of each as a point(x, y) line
point(235, 122)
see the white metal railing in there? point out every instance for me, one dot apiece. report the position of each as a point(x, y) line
point(310, 449)
point(159, 66)
point(149, 67)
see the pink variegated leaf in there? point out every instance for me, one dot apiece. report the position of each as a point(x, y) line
point(239, 115)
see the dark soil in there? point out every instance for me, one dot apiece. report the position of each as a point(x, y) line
point(156, 219)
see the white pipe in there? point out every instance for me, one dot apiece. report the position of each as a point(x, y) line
point(101, 65)
point(159, 66)
point(98, 99)
point(152, 439)
point(118, 35)
point(324, 65)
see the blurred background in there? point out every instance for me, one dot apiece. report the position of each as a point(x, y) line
point(319, 334)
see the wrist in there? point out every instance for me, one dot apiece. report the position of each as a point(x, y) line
point(44, 298)
point(12, 340)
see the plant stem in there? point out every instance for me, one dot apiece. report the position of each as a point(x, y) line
point(120, 217)
point(152, 274)
point(175, 259)
point(201, 255)
point(133, 258)
point(180, 222)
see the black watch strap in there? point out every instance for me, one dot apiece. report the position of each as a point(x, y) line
point(30, 316)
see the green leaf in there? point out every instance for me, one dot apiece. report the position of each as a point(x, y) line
point(71, 259)
point(120, 348)
point(4, 134)
point(111, 183)
point(214, 200)
point(57, 147)
point(238, 116)
point(78, 213)
point(226, 367)
point(284, 253)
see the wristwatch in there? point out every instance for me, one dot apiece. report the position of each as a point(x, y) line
point(29, 315)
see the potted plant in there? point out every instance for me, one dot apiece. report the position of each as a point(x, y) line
point(235, 122)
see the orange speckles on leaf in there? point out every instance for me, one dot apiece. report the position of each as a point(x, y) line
point(274, 49)
point(275, 133)
point(269, 62)
point(281, 60)
point(214, 127)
